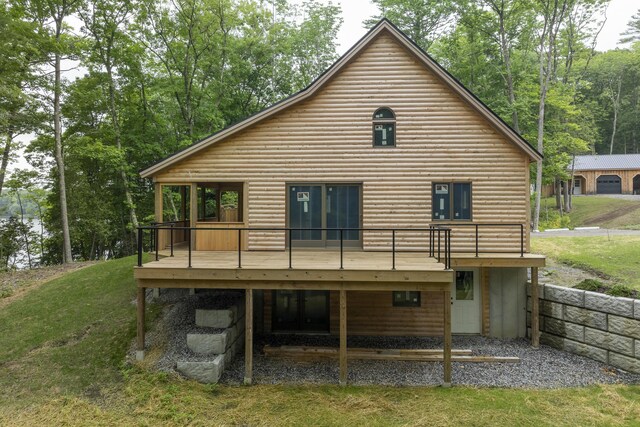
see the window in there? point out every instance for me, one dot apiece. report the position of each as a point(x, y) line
point(464, 285)
point(451, 201)
point(219, 202)
point(406, 299)
point(384, 128)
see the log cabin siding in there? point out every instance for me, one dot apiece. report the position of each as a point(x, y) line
point(591, 179)
point(328, 139)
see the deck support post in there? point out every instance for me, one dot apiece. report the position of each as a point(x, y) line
point(486, 305)
point(535, 309)
point(343, 337)
point(248, 337)
point(447, 339)
point(140, 324)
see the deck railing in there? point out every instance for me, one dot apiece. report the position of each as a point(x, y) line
point(439, 240)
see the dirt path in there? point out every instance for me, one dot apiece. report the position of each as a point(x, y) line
point(557, 273)
point(15, 284)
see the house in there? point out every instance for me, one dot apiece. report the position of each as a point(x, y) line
point(607, 174)
point(383, 199)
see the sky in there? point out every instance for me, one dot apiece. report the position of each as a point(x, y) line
point(354, 12)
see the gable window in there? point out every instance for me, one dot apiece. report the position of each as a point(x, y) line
point(220, 202)
point(451, 201)
point(406, 299)
point(384, 128)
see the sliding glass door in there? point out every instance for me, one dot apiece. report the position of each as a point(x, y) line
point(325, 206)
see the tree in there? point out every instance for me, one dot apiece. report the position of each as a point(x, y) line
point(632, 33)
point(421, 20)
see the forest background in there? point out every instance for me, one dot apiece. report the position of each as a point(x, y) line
point(93, 92)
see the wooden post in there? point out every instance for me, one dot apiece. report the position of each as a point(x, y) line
point(140, 324)
point(486, 305)
point(535, 309)
point(447, 339)
point(193, 213)
point(248, 337)
point(343, 337)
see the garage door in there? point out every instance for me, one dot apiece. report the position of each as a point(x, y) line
point(609, 184)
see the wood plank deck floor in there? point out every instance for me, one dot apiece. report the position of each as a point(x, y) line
point(301, 260)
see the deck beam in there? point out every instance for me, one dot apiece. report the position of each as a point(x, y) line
point(248, 337)
point(140, 323)
point(343, 337)
point(447, 338)
point(535, 309)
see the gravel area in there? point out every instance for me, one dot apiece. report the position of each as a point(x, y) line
point(540, 368)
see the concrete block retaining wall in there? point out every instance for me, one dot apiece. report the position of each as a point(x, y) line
point(590, 324)
point(221, 344)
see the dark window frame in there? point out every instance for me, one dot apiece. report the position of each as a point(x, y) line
point(384, 121)
point(219, 187)
point(451, 200)
point(406, 302)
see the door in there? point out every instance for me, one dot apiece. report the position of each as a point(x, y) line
point(577, 186)
point(300, 311)
point(609, 184)
point(465, 312)
point(324, 206)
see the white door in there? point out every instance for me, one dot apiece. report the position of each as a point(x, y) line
point(577, 186)
point(465, 295)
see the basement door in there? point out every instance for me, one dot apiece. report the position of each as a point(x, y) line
point(466, 309)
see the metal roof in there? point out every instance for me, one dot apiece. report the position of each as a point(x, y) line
point(607, 161)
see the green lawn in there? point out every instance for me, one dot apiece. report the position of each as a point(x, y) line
point(62, 351)
point(617, 257)
point(604, 212)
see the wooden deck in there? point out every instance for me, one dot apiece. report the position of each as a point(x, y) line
point(312, 269)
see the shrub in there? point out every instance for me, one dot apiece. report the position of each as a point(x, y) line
point(592, 285)
point(621, 291)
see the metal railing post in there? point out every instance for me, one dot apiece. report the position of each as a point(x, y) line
point(393, 249)
point(140, 231)
point(341, 250)
point(239, 247)
point(290, 246)
point(449, 254)
point(189, 247)
point(438, 244)
point(521, 240)
point(477, 240)
point(156, 239)
point(171, 239)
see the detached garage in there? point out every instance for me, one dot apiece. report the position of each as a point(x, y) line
point(607, 174)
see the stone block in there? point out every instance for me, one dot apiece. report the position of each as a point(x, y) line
point(608, 304)
point(564, 329)
point(220, 319)
point(624, 326)
point(594, 319)
point(551, 309)
point(628, 364)
point(207, 343)
point(636, 309)
point(552, 340)
point(637, 352)
point(564, 295)
point(540, 290)
point(208, 372)
point(609, 341)
point(586, 350)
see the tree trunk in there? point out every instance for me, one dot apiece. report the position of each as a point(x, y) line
point(567, 191)
point(25, 232)
point(5, 159)
point(616, 107)
point(66, 237)
point(506, 57)
point(558, 190)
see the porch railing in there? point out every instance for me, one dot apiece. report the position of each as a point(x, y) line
point(439, 240)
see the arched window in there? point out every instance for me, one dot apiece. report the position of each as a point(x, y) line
point(384, 128)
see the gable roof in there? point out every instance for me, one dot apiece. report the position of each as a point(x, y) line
point(607, 162)
point(384, 26)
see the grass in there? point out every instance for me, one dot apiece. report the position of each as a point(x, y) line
point(62, 350)
point(604, 212)
point(616, 257)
